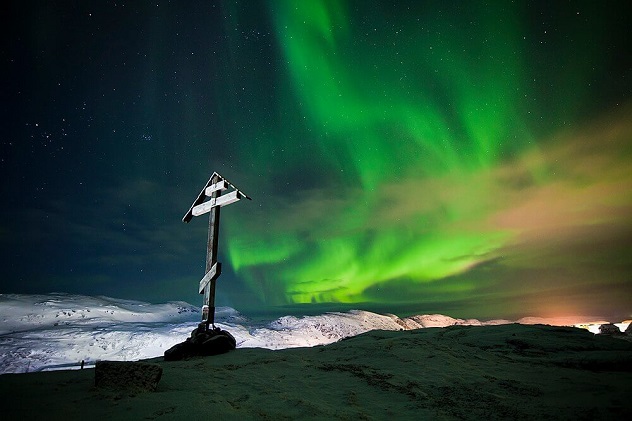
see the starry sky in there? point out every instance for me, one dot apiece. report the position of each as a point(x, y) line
point(466, 158)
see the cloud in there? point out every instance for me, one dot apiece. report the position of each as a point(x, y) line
point(556, 213)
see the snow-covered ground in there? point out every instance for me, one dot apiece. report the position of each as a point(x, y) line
point(502, 372)
point(45, 332)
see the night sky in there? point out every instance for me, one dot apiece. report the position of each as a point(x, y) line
point(468, 158)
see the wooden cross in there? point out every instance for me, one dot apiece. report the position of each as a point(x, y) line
point(212, 189)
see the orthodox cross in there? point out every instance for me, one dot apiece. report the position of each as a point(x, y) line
point(213, 190)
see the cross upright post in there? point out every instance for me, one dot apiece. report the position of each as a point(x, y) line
point(208, 307)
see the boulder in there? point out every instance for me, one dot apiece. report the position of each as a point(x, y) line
point(181, 351)
point(609, 329)
point(126, 375)
point(202, 343)
point(218, 344)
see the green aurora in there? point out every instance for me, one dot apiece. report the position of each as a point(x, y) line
point(414, 133)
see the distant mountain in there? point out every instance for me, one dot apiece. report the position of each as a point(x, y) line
point(439, 320)
point(31, 312)
point(45, 332)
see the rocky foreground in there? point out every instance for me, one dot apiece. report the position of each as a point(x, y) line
point(460, 372)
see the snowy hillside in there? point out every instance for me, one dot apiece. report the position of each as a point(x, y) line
point(40, 331)
point(505, 372)
point(44, 332)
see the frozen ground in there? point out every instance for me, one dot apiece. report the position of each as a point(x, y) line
point(53, 331)
point(508, 372)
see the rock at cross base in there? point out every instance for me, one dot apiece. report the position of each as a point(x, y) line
point(126, 375)
point(202, 343)
point(609, 329)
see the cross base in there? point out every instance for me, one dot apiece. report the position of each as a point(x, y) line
point(204, 341)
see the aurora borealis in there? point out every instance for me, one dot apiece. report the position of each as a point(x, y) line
point(469, 158)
